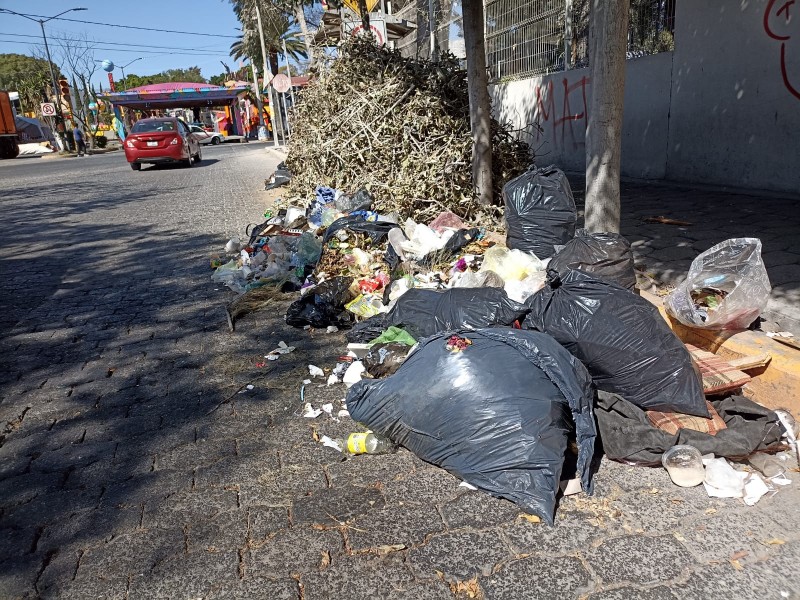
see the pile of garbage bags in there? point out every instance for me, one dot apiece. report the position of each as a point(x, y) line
point(496, 359)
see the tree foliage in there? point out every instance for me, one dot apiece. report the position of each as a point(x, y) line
point(28, 75)
point(190, 75)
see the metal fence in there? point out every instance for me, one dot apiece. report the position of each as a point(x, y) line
point(543, 36)
point(531, 37)
point(448, 27)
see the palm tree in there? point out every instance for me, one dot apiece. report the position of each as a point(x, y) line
point(278, 28)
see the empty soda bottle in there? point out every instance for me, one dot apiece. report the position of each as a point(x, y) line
point(366, 443)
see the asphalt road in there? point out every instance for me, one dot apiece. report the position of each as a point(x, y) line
point(136, 463)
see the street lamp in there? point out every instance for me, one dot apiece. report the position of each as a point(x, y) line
point(41, 22)
point(122, 67)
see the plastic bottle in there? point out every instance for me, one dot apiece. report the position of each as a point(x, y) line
point(366, 443)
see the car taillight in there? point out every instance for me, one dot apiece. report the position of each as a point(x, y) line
point(174, 141)
point(129, 143)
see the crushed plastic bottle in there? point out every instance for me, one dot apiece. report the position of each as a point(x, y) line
point(366, 443)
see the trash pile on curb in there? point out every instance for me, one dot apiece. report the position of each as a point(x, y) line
point(503, 360)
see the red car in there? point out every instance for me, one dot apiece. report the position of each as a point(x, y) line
point(161, 140)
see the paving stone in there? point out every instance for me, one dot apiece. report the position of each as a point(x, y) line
point(227, 531)
point(387, 578)
point(478, 510)
point(295, 550)
point(429, 486)
point(18, 576)
point(338, 504)
point(657, 593)
point(639, 559)
point(194, 575)
point(147, 487)
point(400, 524)
point(368, 469)
point(460, 556)
point(188, 507)
point(278, 487)
point(534, 578)
point(130, 554)
point(259, 588)
point(235, 470)
point(266, 520)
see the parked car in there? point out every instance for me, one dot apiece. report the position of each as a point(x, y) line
point(161, 140)
point(206, 137)
point(202, 126)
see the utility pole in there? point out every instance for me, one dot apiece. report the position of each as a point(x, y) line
point(122, 68)
point(277, 121)
point(41, 22)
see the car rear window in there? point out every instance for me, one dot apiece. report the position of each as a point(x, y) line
point(150, 126)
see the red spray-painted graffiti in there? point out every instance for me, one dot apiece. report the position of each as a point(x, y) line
point(776, 24)
point(573, 94)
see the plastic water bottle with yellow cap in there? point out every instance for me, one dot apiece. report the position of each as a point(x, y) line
point(366, 443)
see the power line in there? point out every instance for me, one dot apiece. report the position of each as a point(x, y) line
point(55, 37)
point(129, 51)
point(135, 27)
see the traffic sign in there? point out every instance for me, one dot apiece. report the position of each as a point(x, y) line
point(281, 83)
point(377, 26)
point(48, 109)
point(353, 5)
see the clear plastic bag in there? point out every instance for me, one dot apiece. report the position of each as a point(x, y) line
point(727, 287)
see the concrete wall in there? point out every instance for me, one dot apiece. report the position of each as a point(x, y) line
point(723, 108)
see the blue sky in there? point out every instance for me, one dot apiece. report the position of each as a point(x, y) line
point(200, 16)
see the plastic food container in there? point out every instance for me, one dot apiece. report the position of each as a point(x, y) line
point(684, 465)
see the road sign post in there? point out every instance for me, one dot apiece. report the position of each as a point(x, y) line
point(48, 109)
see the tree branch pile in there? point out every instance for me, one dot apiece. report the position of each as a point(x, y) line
point(398, 127)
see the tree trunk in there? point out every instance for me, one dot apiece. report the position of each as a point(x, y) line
point(300, 17)
point(608, 30)
point(275, 111)
point(479, 105)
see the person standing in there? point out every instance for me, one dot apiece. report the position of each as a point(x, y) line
point(77, 134)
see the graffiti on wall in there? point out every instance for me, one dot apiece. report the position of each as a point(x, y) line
point(561, 112)
point(777, 20)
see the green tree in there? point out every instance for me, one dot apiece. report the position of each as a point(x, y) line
point(190, 75)
point(29, 76)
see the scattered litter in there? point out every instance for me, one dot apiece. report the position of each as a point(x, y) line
point(331, 329)
point(250, 386)
point(280, 350)
point(309, 412)
point(343, 413)
point(327, 408)
point(684, 464)
point(233, 246)
point(469, 486)
point(333, 379)
point(306, 381)
point(353, 373)
point(331, 443)
point(315, 371)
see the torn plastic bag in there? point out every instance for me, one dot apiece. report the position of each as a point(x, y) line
point(511, 265)
point(454, 244)
point(280, 177)
point(376, 230)
point(426, 312)
point(540, 211)
point(446, 219)
point(496, 414)
point(622, 339)
point(362, 200)
point(394, 334)
point(629, 436)
point(604, 255)
point(727, 287)
point(384, 359)
point(323, 305)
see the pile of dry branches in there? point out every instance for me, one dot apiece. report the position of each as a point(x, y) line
point(398, 127)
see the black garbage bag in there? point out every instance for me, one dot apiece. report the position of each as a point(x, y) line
point(604, 255)
point(367, 330)
point(426, 312)
point(323, 305)
point(629, 436)
point(623, 341)
point(362, 200)
point(540, 211)
point(497, 414)
point(384, 359)
point(377, 231)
